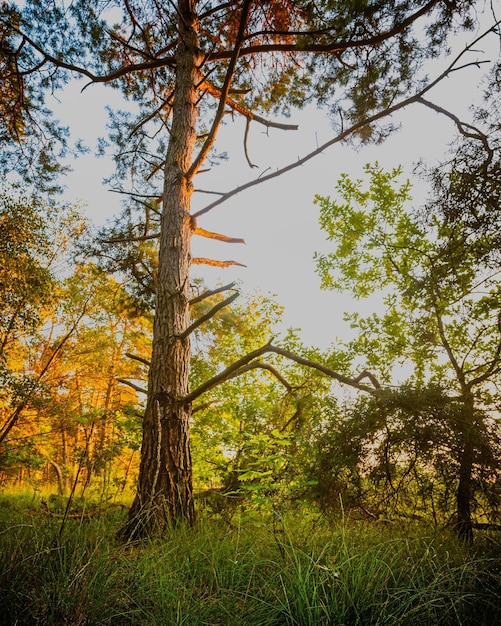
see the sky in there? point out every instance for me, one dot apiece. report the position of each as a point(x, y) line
point(278, 219)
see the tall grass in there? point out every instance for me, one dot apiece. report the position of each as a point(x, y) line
point(295, 571)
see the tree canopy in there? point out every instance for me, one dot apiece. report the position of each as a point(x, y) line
point(441, 322)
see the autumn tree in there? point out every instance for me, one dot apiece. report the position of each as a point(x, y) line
point(440, 323)
point(184, 65)
point(35, 239)
point(91, 414)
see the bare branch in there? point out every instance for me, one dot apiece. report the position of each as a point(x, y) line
point(467, 130)
point(124, 381)
point(226, 374)
point(135, 357)
point(209, 235)
point(131, 239)
point(301, 161)
point(214, 263)
point(235, 53)
point(370, 376)
point(208, 191)
point(208, 315)
point(351, 382)
point(246, 152)
point(208, 294)
point(246, 362)
point(263, 366)
point(152, 196)
point(344, 134)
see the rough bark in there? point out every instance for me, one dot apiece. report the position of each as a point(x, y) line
point(164, 492)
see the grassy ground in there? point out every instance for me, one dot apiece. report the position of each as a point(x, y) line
point(301, 570)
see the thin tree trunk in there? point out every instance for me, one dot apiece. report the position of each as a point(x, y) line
point(65, 460)
point(465, 487)
point(59, 474)
point(164, 492)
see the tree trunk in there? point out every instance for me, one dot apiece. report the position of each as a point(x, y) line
point(164, 493)
point(464, 491)
point(65, 461)
point(59, 474)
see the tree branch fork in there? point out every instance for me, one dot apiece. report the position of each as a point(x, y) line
point(251, 361)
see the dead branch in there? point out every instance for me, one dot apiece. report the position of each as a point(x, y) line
point(134, 195)
point(351, 382)
point(214, 263)
point(264, 366)
point(235, 53)
point(467, 130)
point(245, 112)
point(212, 292)
point(208, 315)
point(135, 357)
point(130, 239)
point(226, 374)
point(371, 377)
point(345, 133)
point(217, 236)
point(246, 362)
point(124, 381)
point(246, 152)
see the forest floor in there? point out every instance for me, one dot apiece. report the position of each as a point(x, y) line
point(300, 568)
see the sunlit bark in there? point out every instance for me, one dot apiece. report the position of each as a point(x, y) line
point(165, 478)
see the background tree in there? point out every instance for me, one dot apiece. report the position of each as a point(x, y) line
point(185, 65)
point(441, 324)
point(81, 425)
point(35, 240)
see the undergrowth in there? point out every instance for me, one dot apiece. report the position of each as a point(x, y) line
point(293, 570)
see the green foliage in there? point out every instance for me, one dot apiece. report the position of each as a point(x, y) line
point(27, 282)
point(398, 456)
point(265, 462)
point(35, 240)
point(294, 571)
point(365, 250)
point(428, 271)
point(439, 328)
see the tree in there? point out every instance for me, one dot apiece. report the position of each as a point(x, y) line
point(34, 239)
point(79, 420)
point(85, 397)
point(185, 64)
point(442, 311)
